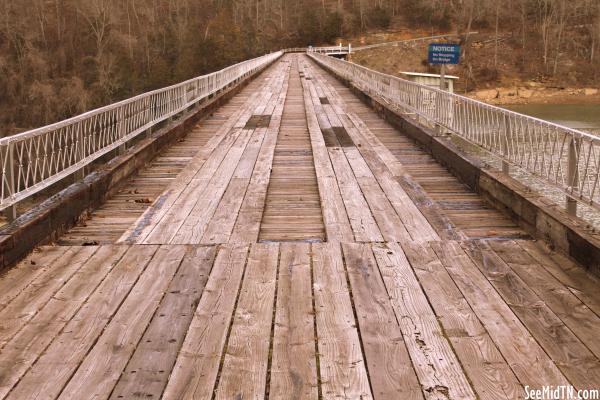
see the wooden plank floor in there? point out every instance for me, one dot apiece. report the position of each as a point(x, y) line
point(463, 208)
point(292, 207)
point(294, 246)
point(107, 223)
point(297, 320)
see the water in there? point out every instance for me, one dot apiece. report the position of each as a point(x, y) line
point(584, 117)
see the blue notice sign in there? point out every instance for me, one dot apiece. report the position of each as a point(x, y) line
point(443, 53)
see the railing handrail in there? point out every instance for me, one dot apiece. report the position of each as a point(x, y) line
point(330, 49)
point(33, 160)
point(108, 107)
point(319, 49)
point(480, 103)
point(566, 158)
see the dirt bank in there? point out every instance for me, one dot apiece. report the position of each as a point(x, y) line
point(536, 94)
point(507, 81)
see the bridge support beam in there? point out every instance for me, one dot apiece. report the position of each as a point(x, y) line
point(80, 174)
point(11, 213)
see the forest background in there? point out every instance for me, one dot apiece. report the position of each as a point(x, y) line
point(59, 58)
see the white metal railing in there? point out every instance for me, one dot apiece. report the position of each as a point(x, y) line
point(331, 49)
point(566, 158)
point(34, 160)
point(295, 50)
point(410, 41)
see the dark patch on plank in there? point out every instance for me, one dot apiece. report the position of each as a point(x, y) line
point(324, 100)
point(258, 121)
point(330, 138)
point(342, 136)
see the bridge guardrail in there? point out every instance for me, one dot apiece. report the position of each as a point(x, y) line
point(566, 158)
point(295, 50)
point(330, 49)
point(322, 50)
point(34, 160)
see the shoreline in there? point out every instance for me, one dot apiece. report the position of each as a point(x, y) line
point(541, 95)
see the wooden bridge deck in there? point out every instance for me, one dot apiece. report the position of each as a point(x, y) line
point(295, 246)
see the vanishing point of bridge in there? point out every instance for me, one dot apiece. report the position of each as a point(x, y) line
point(295, 245)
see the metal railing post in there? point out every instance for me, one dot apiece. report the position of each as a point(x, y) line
point(504, 144)
point(170, 104)
point(121, 124)
point(11, 212)
point(80, 174)
point(572, 175)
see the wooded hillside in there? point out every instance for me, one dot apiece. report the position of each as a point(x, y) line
point(59, 58)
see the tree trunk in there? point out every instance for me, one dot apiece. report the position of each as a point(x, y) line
point(496, 42)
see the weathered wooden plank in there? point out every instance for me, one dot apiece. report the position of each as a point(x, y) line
point(571, 356)
point(361, 219)
point(483, 363)
point(205, 160)
point(48, 376)
point(25, 347)
point(165, 230)
point(195, 372)
point(434, 360)
point(529, 362)
point(195, 223)
point(247, 226)
point(378, 158)
point(103, 365)
point(578, 280)
point(342, 366)
point(390, 368)
point(416, 223)
point(162, 204)
point(245, 365)
point(419, 228)
point(571, 310)
point(335, 218)
point(292, 207)
point(16, 279)
point(35, 296)
point(149, 368)
point(293, 368)
point(221, 225)
point(391, 226)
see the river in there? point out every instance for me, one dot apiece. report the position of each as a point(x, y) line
point(584, 117)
